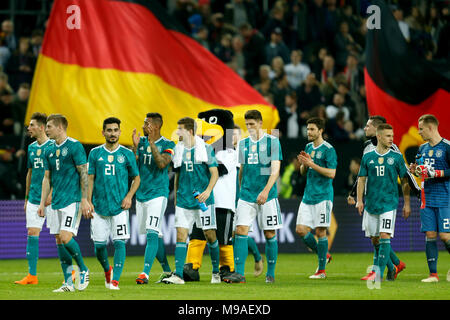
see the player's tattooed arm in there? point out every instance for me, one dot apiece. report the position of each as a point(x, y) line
point(84, 180)
point(86, 207)
point(161, 160)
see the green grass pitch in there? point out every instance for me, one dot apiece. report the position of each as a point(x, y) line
point(292, 281)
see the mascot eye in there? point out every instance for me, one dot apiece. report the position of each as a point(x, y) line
point(213, 120)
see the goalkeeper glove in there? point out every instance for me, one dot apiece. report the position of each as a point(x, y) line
point(427, 172)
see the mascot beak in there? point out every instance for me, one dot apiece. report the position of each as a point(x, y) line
point(209, 132)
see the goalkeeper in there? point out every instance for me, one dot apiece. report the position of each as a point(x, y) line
point(435, 210)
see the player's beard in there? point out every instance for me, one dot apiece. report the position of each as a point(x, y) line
point(110, 140)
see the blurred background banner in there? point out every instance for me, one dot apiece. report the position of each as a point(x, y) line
point(400, 84)
point(348, 236)
point(127, 58)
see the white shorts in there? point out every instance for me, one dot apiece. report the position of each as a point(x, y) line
point(205, 220)
point(373, 224)
point(32, 217)
point(150, 214)
point(118, 227)
point(267, 215)
point(315, 215)
point(65, 219)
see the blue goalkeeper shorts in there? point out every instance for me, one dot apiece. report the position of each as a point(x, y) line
point(435, 219)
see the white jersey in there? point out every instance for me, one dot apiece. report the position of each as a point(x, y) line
point(225, 188)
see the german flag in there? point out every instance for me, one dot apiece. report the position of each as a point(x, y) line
point(400, 85)
point(125, 58)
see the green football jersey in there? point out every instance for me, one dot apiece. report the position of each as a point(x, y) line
point(194, 176)
point(382, 187)
point(318, 187)
point(111, 170)
point(154, 181)
point(35, 162)
point(256, 156)
point(62, 161)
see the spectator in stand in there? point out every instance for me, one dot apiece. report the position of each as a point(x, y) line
point(223, 50)
point(183, 10)
point(5, 53)
point(253, 51)
point(19, 107)
point(264, 87)
point(20, 67)
point(7, 35)
point(361, 110)
point(316, 61)
point(433, 24)
point(354, 76)
point(10, 187)
point(4, 84)
point(296, 71)
point(6, 114)
point(217, 28)
point(275, 21)
point(239, 12)
point(297, 17)
point(316, 22)
point(326, 78)
point(404, 28)
point(37, 36)
point(353, 21)
point(292, 182)
point(344, 44)
point(202, 37)
point(237, 58)
point(331, 19)
point(276, 47)
point(293, 116)
point(277, 68)
point(341, 130)
point(264, 76)
point(415, 20)
point(279, 91)
point(308, 96)
point(338, 105)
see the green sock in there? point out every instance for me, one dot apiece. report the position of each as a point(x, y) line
point(271, 255)
point(310, 242)
point(322, 250)
point(119, 258)
point(253, 249)
point(32, 254)
point(150, 250)
point(395, 260)
point(240, 253)
point(74, 249)
point(214, 253)
point(383, 255)
point(180, 257)
point(66, 261)
point(101, 252)
point(161, 255)
point(376, 249)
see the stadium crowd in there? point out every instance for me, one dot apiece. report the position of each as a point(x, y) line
point(306, 57)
